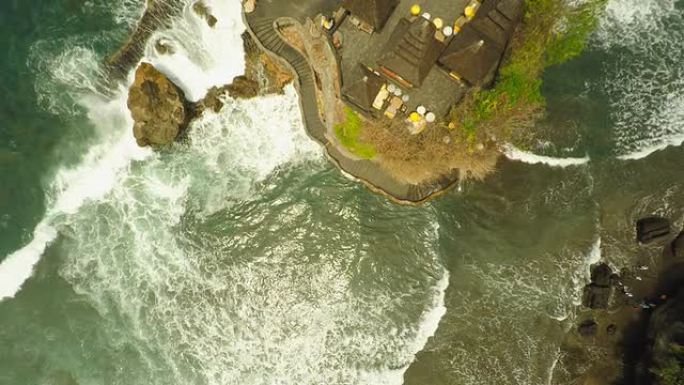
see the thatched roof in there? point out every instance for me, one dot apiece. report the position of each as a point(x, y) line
point(475, 52)
point(373, 12)
point(472, 56)
point(362, 91)
point(412, 51)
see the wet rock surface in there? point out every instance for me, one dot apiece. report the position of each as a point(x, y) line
point(598, 292)
point(158, 107)
point(652, 228)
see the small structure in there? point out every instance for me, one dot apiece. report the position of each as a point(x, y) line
point(371, 14)
point(411, 52)
point(362, 91)
point(475, 52)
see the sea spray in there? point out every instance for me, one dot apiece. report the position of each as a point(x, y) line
point(190, 37)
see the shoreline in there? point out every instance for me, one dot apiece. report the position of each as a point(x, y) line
point(366, 171)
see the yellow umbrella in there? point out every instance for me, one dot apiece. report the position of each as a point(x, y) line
point(414, 117)
point(439, 23)
point(415, 10)
point(469, 11)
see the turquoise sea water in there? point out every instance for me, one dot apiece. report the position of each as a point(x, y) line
point(244, 257)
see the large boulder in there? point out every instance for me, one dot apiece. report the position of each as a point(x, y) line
point(158, 107)
point(598, 292)
point(652, 228)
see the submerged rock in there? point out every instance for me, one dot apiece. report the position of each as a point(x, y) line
point(652, 228)
point(158, 107)
point(203, 11)
point(587, 328)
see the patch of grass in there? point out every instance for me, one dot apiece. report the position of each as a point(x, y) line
point(348, 131)
point(551, 32)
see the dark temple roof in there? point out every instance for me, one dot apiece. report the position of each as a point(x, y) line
point(412, 50)
point(373, 12)
point(363, 90)
point(475, 52)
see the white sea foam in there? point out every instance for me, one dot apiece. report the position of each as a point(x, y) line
point(644, 82)
point(583, 275)
point(514, 153)
point(75, 71)
point(190, 37)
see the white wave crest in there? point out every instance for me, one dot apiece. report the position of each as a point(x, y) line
point(514, 153)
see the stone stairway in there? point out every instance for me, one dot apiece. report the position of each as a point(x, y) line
point(264, 30)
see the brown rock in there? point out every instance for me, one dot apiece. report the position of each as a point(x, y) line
point(243, 87)
point(203, 11)
point(211, 101)
point(158, 107)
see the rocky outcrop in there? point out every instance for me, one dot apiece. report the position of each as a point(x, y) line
point(652, 228)
point(158, 107)
point(203, 11)
point(243, 88)
point(598, 292)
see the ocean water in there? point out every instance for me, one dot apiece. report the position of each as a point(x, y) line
point(243, 257)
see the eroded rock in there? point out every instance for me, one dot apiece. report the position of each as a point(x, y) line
point(652, 228)
point(158, 107)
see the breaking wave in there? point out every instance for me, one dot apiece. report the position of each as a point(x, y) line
point(514, 153)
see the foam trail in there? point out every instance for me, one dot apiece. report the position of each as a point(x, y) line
point(514, 153)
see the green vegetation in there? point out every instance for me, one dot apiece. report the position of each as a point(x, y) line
point(348, 132)
point(671, 372)
point(551, 32)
